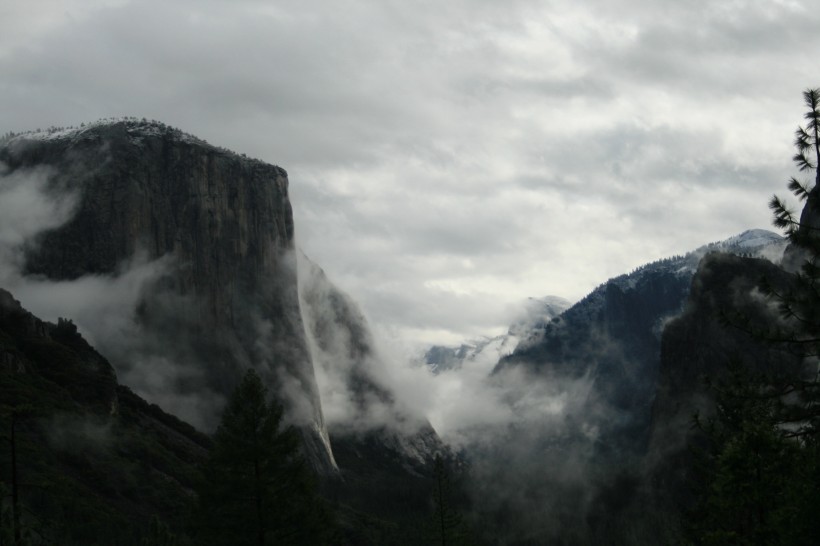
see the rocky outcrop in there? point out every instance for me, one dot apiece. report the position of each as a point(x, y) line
point(219, 228)
point(582, 387)
point(84, 374)
point(716, 330)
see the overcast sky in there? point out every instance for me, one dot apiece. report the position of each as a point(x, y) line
point(449, 158)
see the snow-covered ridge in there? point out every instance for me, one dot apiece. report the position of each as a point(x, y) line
point(133, 125)
point(752, 238)
point(755, 243)
point(137, 129)
point(758, 243)
point(485, 353)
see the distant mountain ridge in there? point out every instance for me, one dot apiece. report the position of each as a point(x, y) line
point(486, 352)
point(540, 312)
point(580, 390)
point(753, 242)
point(612, 336)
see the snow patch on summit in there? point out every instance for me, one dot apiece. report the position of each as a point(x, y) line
point(753, 238)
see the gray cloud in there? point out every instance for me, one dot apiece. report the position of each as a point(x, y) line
point(455, 157)
point(27, 206)
point(446, 159)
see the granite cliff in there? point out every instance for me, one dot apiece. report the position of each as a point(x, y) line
point(203, 241)
point(218, 230)
point(701, 344)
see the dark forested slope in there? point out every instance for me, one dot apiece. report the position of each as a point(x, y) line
point(94, 462)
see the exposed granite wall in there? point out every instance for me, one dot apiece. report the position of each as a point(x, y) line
point(228, 299)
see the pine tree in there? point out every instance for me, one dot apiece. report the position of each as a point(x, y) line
point(257, 488)
point(15, 415)
point(753, 481)
point(799, 303)
point(448, 526)
point(159, 534)
point(807, 144)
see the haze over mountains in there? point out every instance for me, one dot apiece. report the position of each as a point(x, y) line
point(486, 352)
point(177, 262)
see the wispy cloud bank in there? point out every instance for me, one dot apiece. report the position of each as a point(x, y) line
point(446, 161)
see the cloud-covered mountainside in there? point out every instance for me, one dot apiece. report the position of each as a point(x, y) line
point(354, 383)
point(488, 351)
point(606, 346)
point(176, 261)
point(176, 258)
point(566, 417)
point(610, 340)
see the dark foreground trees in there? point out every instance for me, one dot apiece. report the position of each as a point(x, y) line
point(257, 488)
point(758, 485)
point(799, 303)
point(448, 528)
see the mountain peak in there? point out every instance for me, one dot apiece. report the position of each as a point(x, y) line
point(753, 238)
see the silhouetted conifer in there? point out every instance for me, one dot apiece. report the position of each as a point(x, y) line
point(257, 488)
point(448, 526)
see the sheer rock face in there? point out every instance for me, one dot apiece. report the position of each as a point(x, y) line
point(220, 229)
point(724, 305)
point(703, 341)
point(225, 219)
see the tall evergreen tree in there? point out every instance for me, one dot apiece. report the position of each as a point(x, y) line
point(159, 534)
point(753, 482)
point(447, 525)
point(799, 303)
point(15, 415)
point(257, 489)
